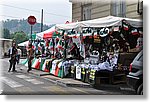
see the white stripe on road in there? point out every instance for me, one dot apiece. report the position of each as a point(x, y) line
point(29, 79)
point(23, 76)
point(10, 82)
point(34, 81)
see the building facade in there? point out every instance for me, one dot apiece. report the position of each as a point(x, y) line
point(92, 9)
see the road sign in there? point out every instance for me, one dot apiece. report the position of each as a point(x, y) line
point(31, 20)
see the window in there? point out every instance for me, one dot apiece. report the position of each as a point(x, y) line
point(86, 12)
point(140, 7)
point(118, 8)
point(141, 58)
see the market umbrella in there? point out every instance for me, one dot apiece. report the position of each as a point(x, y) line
point(48, 34)
point(51, 34)
point(24, 43)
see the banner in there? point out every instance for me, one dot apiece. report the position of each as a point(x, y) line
point(78, 72)
point(77, 41)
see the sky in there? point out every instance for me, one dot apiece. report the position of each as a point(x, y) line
point(55, 11)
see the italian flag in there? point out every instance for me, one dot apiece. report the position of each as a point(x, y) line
point(125, 26)
point(43, 67)
point(134, 32)
point(42, 64)
point(51, 45)
point(36, 64)
point(33, 60)
point(60, 67)
point(55, 69)
point(70, 44)
point(24, 61)
point(59, 45)
point(26, 64)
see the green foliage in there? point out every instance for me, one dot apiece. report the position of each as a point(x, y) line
point(16, 25)
point(6, 34)
point(19, 37)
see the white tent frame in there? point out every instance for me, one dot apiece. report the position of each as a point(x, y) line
point(100, 22)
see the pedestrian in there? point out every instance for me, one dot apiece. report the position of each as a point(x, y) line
point(18, 55)
point(30, 57)
point(13, 57)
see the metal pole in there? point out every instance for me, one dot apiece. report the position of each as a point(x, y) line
point(53, 47)
point(31, 34)
point(42, 21)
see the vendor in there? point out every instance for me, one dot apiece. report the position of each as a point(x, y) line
point(126, 47)
point(48, 53)
point(43, 49)
point(75, 51)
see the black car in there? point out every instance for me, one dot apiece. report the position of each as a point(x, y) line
point(135, 77)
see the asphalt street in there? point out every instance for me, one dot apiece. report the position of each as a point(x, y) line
point(23, 83)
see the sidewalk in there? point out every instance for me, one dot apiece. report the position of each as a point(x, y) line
point(70, 82)
point(60, 81)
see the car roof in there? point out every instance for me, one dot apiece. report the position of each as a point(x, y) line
point(138, 55)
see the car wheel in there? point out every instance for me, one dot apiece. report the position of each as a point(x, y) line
point(140, 90)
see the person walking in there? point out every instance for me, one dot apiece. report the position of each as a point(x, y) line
point(30, 57)
point(13, 57)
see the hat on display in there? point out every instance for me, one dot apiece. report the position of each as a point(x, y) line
point(104, 32)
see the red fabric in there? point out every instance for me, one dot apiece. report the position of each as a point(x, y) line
point(135, 33)
point(74, 36)
point(56, 71)
point(90, 37)
point(37, 66)
point(46, 70)
point(84, 37)
point(126, 28)
point(47, 35)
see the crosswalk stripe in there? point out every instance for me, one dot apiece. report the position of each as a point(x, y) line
point(23, 76)
point(10, 82)
point(34, 81)
point(81, 90)
point(29, 79)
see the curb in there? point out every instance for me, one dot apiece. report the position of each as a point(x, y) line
point(59, 82)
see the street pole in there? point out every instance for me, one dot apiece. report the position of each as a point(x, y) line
point(31, 34)
point(42, 21)
point(31, 21)
point(53, 47)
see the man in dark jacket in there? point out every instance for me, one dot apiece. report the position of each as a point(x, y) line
point(13, 57)
point(30, 57)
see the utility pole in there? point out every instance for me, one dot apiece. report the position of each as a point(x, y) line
point(42, 21)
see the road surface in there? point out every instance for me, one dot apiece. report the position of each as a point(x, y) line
point(23, 83)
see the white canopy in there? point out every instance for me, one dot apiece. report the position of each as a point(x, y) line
point(101, 22)
point(41, 34)
point(24, 43)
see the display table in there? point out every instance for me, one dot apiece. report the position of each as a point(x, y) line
point(56, 67)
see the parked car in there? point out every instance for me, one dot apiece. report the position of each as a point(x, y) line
point(135, 77)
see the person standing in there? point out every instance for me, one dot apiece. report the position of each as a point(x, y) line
point(13, 57)
point(30, 57)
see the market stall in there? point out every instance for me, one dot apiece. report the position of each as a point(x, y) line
point(91, 51)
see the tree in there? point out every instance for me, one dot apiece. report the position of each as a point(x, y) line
point(6, 33)
point(19, 37)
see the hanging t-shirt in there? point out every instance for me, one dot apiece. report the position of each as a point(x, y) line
point(78, 72)
point(139, 42)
